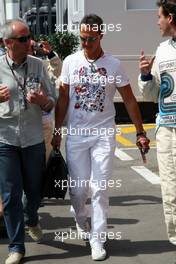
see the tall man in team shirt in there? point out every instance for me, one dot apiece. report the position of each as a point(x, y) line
point(157, 82)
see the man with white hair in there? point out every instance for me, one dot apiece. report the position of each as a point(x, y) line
point(22, 150)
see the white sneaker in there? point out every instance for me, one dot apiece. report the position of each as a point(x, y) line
point(172, 240)
point(98, 252)
point(83, 232)
point(14, 258)
point(172, 235)
point(35, 232)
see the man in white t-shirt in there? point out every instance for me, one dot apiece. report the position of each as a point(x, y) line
point(89, 80)
point(157, 82)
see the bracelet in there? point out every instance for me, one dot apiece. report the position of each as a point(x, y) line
point(147, 77)
point(142, 133)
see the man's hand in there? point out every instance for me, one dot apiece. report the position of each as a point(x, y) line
point(4, 93)
point(145, 65)
point(142, 143)
point(45, 47)
point(38, 98)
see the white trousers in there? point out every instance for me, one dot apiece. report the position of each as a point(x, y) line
point(89, 160)
point(166, 155)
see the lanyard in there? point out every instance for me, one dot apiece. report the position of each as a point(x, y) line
point(22, 86)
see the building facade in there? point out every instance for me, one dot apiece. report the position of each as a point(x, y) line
point(131, 25)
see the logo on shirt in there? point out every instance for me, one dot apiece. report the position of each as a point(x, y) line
point(90, 89)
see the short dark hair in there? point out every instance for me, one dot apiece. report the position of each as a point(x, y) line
point(169, 7)
point(93, 20)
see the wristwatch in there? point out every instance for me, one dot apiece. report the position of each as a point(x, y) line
point(142, 133)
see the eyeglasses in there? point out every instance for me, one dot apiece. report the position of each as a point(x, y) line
point(23, 39)
point(88, 39)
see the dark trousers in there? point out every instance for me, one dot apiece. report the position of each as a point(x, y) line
point(20, 169)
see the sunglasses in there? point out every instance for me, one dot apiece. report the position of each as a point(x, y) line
point(23, 39)
point(88, 39)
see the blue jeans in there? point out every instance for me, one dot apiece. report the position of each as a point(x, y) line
point(20, 169)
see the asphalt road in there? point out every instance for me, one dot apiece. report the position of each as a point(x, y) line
point(135, 222)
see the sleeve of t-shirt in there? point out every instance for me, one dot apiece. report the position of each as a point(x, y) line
point(65, 76)
point(121, 78)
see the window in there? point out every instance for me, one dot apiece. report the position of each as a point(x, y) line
point(141, 4)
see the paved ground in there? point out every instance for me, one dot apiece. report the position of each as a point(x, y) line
point(135, 217)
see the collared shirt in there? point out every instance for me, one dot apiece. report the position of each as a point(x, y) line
point(20, 126)
point(2, 51)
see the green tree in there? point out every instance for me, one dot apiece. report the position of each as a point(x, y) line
point(63, 43)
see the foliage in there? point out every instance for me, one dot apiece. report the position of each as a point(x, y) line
point(63, 43)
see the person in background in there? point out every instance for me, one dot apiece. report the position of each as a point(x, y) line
point(53, 64)
point(157, 82)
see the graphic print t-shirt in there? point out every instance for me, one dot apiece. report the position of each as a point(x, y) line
point(92, 88)
point(166, 69)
